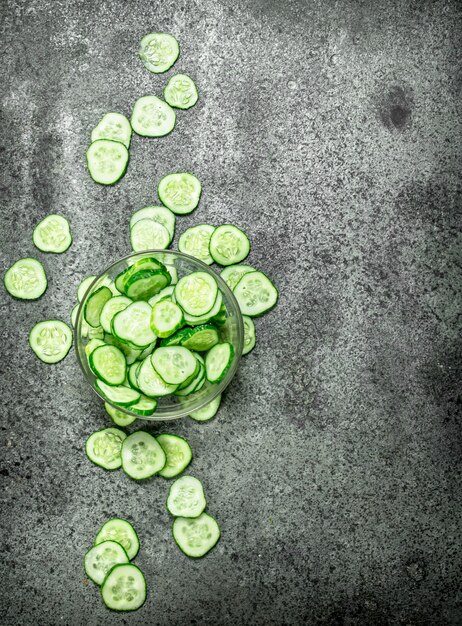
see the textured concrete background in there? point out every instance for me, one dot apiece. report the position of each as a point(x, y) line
point(331, 132)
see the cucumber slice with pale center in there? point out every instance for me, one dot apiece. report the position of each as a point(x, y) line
point(180, 192)
point(196, 293)
point(255, 294)
point(178, 453)
point(142, 456)
point(112, 306)
point(26, 279)
point(150, 382)
point(122, 532)
point(113, 126)
point(157, 213)
point(195, 537)
point(186, 497)
point(229, 245)
point(208, 411)
point(144, 284)
point(107, 161)
point(100, 559)
point(201, 338)
point(132, 325)
point(181, 92)
point(152, 117)
point(158, 52)
point(94, 305)
point(119, 417)
point(249, 334)
point(218, 361)
point(108, 364)
point(84, 287)
point(166, 318)
point(124, 588)
point(52, 234)
point(195, 242)
point(233, 274)
point(124, 396)
point(103, 448)
point(146, 234)
point(51, 340)
point(174, 364)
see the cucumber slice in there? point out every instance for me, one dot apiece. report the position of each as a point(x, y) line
point(178, 453)
point(131, 354)
point(158, 52)
point(196, 537)
point(92, 345)
point(94, 305)
point(148, 263)
point(177, 338)
point(149, 381)
point(112, 306)
point(229, 245)
point(142, 456)
point(157, 213)
point(179, 192)
point(100, 559)
point(218, 361)
point(122, 532)
point(152, 117)
point(26, 279)
point(147, 351)
point(51, 340)
point(194, 320)
point(181, 92)
point(52, 234)
point(233, 274)
point(174, 364)
point(249, 334)
point(195, 241)
point(147, 234)
point(108, 364)
point(186, 497)
point(103, 448)
point(74, 315)
point(196, 293)
point(208, 411)
point(165, 294)
point(166, 318)
point(145, 406)
point(84, 287)
point(132, 325)
point(123, 396)
point(113, 126)
point(124, 588)
point(255, 294)
point(131, 375)
point(220, 318)
point(194, 385)
point(144, 284)
point(173, 274)
point(107, 161)
point(119, 417)
point(201, 338)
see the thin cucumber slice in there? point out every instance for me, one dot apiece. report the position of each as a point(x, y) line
point(124, 588)
point(26, 279)
point(107, 282)
point(84, 287)
point(166, 318)
point(196, 537)
point(255, 294)
point(194, 320)
point(181, 92)
point(186, 497)
point(107, 161)
point(194, 385)
point(173, 274)
point(152, 117)
point(193, 376)
point(233, 274)
point(249, 334)
point(131, 354)
point(132, 325)
point(220, 318)
point(150, 383)
point(108, 364)
point(119, 417)
point(157, 213)
point(94, 305)
point(165, 294)
point(145, 407)
point(196, 293)
point(177, 338)
point(103, 448)
point(218, 361)
point(229, 245)
point(51, 340)
point(100, 559)
point(201, 338)
point(147, 234)
point(92, 345)
point(174, 364)
point(131, 375)
point(112, 306)
point(179, 192)
point(147, 351)
point(148, 263)
point(142, 456)
point(158, 52)
point(123, 396)
point(178, 453)
point(195, 241)
point(122, 532)
point(74, 315)
point(52, 234)
point(113, 126)
point(208, 411)
point(146, 283)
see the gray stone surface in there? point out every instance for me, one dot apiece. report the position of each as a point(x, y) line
point(331, 132)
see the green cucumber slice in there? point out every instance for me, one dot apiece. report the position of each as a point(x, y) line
point(174, 364)
point(186, 497)
point(144, 284)
point(131, 354)
point(218, 361)
point(149, 381)
point(233, 274)
point(122, 532)
point(52, 234)
point(142, 456)
point(132, 325)
point(201, 338)
point(255, 294)
point(84, 287)
point(194, 385)
point(249, 334)
point(131, 375)
point(108, 364)
point(177, 338)
point(152, 117)
point(113, 126)
point(107, 161)
point(103, 448)
point(124, 588)
point(181, 92)
point(173, 274)
point(208, 411)
point(158, 52)
point(94, 305)
point(196, 537)
point(145, 406)
point(194, 320)
point(146, 234)
point(157, 213)
point(92, 345)
point(119, 417)
point(112, 306)
point(166, 318)
point(100, 559)
point(229, 245)
point(165, 294)
point(26, 279)
point(195, 241)
point(51, 340)
point(180, 192)
point(147, 351)
point(123, 396)
point(196, 293)
point(178, 453)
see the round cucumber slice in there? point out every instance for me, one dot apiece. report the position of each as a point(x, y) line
point(124, 396)
point(112, 306)
point(132, 325)
point(113, 126)
point(94, 305)
point(144, 284)
point(196, 537)
point(122, 532)
point(158, 52)
point(124, 588)
point(142, 456)
point(145, 406)
point(157, 213)
point(218, 361)
point(195, 241)
point(180, 192)
point(208, 411)
point(51, 340)
point(100, 559)
point(107, 161)
point(186, 497)
point(146, 234)
point(201, 338)
point(174, 364)
point(233, 274)
point(52, 234)
point(229, 245)
point(26, 279)
point(249, 334)
point(84, 287)
point(150, 382)
point(196, 293)
point(181, 92)
point(103, 448)
point(108, 363)
point(255, 294)
point(152, 117)
point(166, 318)
point(119, 417)
point(178, 453)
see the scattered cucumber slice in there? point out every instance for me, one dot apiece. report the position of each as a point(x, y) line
point(124, 396)
point(178, 453)
point(218, 361)
point(233, 274)
point(229, 245)
point(249, 334)
point(145, 406)
point(107, 161)
point(103, 448)
point(186, 497)
point(100, 559)
point(132, 325)
point(142, 456)
point(92, 345)
point(113, 126)
point(181, 92)
point(195, 537)
point(201, 338)
point(26, 279)
point(51, 340)
point(108, 364)
point(52, 234)
point(165, 294)
point(152, 117)
point(122, 532)
point(146, 234)
point(194, 320)
point(112, 306)
point(196, 293)
point(166, 318)
point(84, 287)
point(195, 241)
point(119, 417)
point(94, 305)
point(124, 588)
point(157, 213)
point(158, 52)
point(208, 411)
point(150, 383)
point(146, 283)
point(174, 364)
point(255, 294)
point(179, 192)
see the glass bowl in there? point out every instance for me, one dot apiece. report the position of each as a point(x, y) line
point(168, 407)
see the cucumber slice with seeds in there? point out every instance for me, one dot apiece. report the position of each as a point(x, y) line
point(218, 361)
point(112, 306)
point(229, 245)
point(119, 417)
point(233, 274)
point(180, 192)
point(195, 241)
point(201, 338)
point(51, 340)
point(146, 234)
point(144, 284)
point(113, 126)
point(196, 293)
point(108, 364)
point(26, 279)
point(157, 213)
point(123, 396)
point(166, 318)
point(152, 117)
point(124, 588)
point(208, 411)
point(178, 453)
point(196, 537)
point(132, 325)
point(186, 497)
point(142, 456)
point(181, 92)
point(103, 448)
point(100, 559)
point(249, 334)
point(255, 294)
point(52, 234)
point(149, 381)
point(158, 52)
point(107, 161)
point(122, 532)
point(94, 305)
point(84, 287)
point(174, 364)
